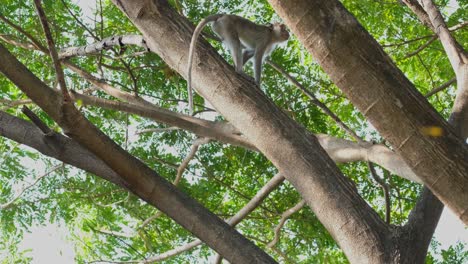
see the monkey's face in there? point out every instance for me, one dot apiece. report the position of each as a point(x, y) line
point(281, 33)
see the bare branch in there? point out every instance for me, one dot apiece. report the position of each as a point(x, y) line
point(215, 130)
point(10, 104)
point(316, 101)
point(24, 189)
point(120, 41)
point(52, 50)
point(156, 130)
point(454, 50)
point(441, 87)
point(422, 47)
point(196, 144)
point(286, 214)
point(386, 191)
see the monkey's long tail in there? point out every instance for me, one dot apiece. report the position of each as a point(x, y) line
point(196, 34)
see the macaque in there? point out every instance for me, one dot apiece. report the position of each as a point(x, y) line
point(244, 39)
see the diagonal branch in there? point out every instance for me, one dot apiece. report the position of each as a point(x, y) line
point(24, 189)
point(454, 50)
point(286, 214)
point(316, 101)
point(52, 50)
point(386, 191)
point(271, 185)
point(193, 150)
point(142, 181)
point(419, 11)
point(441, 87)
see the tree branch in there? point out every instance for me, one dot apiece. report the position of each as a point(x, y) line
point(143, 181)
point(454, 50)
point(316, 101)
point(386, 191)
point(24, 189)
point(282, 221)
point(441, 87)
point(52, 50)
point(271, 185)
point(193, 150)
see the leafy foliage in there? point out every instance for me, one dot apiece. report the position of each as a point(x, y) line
point(105, 221)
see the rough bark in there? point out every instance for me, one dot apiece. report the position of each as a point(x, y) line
point(139, 178)
point(56, 146)
point(412, 240)
point(360, 68)
point(340, 150)
point(295, 152)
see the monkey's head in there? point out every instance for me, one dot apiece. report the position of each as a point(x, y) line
point(279, 31)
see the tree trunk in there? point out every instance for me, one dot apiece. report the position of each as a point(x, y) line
point(293, 150)
point(360, 68)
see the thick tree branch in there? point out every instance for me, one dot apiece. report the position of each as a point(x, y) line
point(383, 94)
point(37, 121)
point(56, 146)
point(144, 182)
point(271, 185)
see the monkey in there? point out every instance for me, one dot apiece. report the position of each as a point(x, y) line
point(244, 39)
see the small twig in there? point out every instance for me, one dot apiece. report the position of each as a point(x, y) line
point(9, 203)
point(422, 47)
point(441, 87)
point(386, 191)
point(34, 41)
point(283, 219)
point(78, 20)
point(426, 68)
point(52, 51)
point(196, 144)
point(180, 170)
point(453, 28)
point(316, 101)
point(271, 185)
point(37, 121)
